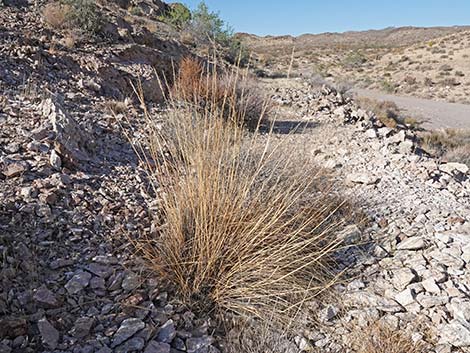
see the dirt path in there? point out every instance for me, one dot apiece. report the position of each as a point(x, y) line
point(435, 115)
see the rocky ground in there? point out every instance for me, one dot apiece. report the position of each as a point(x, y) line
point(73, 195)
point(414, 275)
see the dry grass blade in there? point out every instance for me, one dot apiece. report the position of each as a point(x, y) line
point(245, 226)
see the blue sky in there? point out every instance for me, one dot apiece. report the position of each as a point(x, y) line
point(316, 16)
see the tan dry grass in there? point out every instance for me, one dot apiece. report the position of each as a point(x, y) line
point(244, 228)
point(452, 145)
point(387, 112)
point(380, 338)
point(56, 14)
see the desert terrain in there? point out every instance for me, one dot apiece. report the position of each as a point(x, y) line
point(158, 197)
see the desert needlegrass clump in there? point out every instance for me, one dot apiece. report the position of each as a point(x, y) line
point(244, 227)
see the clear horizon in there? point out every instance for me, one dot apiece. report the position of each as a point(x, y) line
point(299, 17)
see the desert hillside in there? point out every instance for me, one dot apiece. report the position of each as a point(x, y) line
point(423, 62)
point(160, 194)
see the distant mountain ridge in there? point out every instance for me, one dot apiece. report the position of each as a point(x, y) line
point(388, 37)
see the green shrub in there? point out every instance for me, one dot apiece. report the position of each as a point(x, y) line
point(354, 60)
point(388, 86)
point(209, 26)
point(236, 53)
point(178, 15)
point(85, 15)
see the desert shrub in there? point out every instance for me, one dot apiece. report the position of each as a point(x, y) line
point(450, 81)
point(81, 15)
point(236, 53)
point(178, 15)
point(135, 11)
point(446, 67)
point(56, 14)
point(428, 81)
point(452, 145)
point(241, 97)
point(410, 80)
point(242, 230)
point(381, 338)
point(388, 86)
point(86, 16)
point(208, 26)
point(387, 112)
point(354, 60)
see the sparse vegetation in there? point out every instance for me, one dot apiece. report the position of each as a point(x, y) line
point(178, 15)
point(78, 15)
point(56, 14)
point(451, 145)
point(208, 26)
point(388, 86)
point(387, 112)
point(354, 60)
point(381, 338)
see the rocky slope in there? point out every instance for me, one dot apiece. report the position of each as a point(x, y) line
point(73, 195)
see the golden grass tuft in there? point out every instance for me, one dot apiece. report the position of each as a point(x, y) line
point(56, 14)
point(244, 226)
point(381, 338)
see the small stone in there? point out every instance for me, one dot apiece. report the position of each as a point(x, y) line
point(167, 332)
point(157, 347)
point(45, 298)
point(371, 133)
point(403, 277)
point(362, 178)
point(328, 313)
point(15, 169)
point(49, 335)
point(135, 344)
point(82, 327)
point(413, 243)
point(428, 301)
point(78, 282)
point(405, 297)
point(55, 160)
point(128, 328)
point(460, 309)
point(431, 286)
point(451, 168)
point(13, 327)
point(197, 343)
point(130, 281)
point(398, 137)
point(406, 147)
